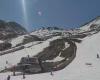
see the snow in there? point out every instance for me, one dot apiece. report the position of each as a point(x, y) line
point(58, 58)
point(15, 57)
point(32, 43)
point(17, 40)
point(41, 33)
point(1, 41)
point(67, 45)
point(77, 70)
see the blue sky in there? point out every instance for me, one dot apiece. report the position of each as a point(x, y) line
point(61, 13)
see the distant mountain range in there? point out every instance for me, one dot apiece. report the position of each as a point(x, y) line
point(13, 34)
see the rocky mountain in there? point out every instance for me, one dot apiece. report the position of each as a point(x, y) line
point(48, 32)
point(87, 29)
point(10, 30)
point(91, 27)
point(93, 24)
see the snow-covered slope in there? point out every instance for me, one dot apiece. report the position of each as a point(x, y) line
point(86, 65)
point(24, 39)
point(88, 25)
point(15, 57)
point(17, 40)
point(46, 33)
point(87, 29)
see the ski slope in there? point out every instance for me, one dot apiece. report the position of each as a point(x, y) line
point(15, 57)
point(79, 69)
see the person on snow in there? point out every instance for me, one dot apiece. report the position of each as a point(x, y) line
point(8, 78)
point(98, 56)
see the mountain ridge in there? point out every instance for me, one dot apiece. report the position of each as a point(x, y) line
point(10, 30)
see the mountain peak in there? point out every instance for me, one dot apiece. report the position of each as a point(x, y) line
point(10, 30)
point(94, 23)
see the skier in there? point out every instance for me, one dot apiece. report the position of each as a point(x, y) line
point(14, 70)
point(24, 72)
point(98, 56)
point(40, 63)
point(6, 62)
point(51, 73)
point(8, 78)
point(23, 75)
point(28, 56)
